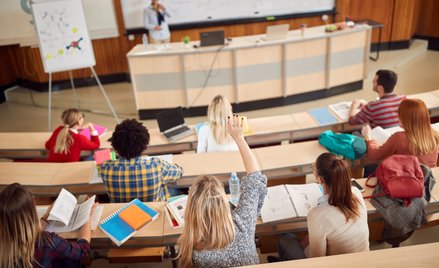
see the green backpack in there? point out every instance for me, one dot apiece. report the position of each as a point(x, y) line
point(347, 145)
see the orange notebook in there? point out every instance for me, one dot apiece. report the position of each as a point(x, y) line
point(135, 217)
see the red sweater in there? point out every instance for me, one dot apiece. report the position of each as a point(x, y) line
point(398, 143)
point(79, 143)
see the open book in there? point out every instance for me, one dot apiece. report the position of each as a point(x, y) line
point(289, 201)
point(66, 215)
point(341, 109)
point(382, 135)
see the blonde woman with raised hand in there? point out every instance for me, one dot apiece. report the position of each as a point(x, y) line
point(214, 235)
point(213, 137)
point(66, 144)
point(23, 242)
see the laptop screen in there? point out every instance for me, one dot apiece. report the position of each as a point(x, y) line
point(170, 118)
point(211, 38)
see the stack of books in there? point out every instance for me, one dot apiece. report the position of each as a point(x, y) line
point(174, 210)
point(127, 221)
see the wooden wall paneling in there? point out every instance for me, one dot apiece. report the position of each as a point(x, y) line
point(428, 22)
point(8, 69)
point(404, 19)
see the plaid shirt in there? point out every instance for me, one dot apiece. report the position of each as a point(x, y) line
point(127, 179)
point(55, 251)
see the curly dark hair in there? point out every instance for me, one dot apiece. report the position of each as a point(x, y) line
point(130, 138)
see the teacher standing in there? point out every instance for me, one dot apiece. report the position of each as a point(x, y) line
point(155, 22)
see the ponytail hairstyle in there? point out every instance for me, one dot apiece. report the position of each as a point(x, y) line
point(415, 119)
point(20, 227)
point(70, 118)
point(208, 220)
point(336, 174)
point(218, 111)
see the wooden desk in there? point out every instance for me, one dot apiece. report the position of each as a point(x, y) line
point(265, 130)
point(410, 256)
point(248, 69)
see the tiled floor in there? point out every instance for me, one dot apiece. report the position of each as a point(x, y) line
point(26, 110)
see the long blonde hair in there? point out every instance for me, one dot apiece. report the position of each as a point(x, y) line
point(217, 113)
point(70, 118)
point(415, 119)
point(208, 219)
point(20, 227)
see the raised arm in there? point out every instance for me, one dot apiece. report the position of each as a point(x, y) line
point(237, 132)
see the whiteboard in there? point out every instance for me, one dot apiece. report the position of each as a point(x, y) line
point(17, 26)
point(205, 11)
point(63, 36)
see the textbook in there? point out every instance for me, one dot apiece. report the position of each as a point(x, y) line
point(289, 201)
point(66, 215)
point(382, 135)
point(174, 210)
point(86, 131)
point(121, 225)
point(341, 109)
point(323, 116)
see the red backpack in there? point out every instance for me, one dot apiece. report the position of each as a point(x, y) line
point(400, 176)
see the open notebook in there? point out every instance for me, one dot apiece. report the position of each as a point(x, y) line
point(289, 201)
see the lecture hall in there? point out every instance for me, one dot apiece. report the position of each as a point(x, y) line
point(174, 133)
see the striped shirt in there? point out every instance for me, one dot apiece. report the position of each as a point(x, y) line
point(382, 112)
point(126, 179)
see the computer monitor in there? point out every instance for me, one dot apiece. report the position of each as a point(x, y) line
point(214, 38)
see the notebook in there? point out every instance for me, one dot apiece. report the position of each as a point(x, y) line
point(289, 201)
point(323, 116)
point(86, 131)
point(172, 126)
point(276, 32)
point(103, 155)
point(120, 231)
point(341, 109)
point(135, 217)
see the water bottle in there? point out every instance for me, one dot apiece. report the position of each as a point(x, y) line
point(145, 41)
point(234, 188)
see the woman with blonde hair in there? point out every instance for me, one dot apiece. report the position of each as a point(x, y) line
point(214, 137)
point(66, 144)
point(338, 224)
point(214, 235)
point(418, 137)
point(24, 243)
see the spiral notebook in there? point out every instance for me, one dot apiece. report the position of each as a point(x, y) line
point(120, 231)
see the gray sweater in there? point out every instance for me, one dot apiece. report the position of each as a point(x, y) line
point(242, 251)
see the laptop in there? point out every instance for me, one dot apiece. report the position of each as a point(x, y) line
point(214, 38)
point(276, 32)
point(172, 126)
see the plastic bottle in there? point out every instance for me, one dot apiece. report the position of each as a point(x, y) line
point(145, 41)
point(234, 188)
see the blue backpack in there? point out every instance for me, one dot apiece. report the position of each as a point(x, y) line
point(347, 145)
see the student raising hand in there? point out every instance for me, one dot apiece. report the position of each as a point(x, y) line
point(234, 127)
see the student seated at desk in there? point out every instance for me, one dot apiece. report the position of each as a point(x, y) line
point(418, 137)
point(338, 224)
point(382, 112)
point(66, 144)
point(213, 137)
point(23, 242)
point(213, 235)
point(130, 176)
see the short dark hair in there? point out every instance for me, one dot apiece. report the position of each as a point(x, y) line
point(130, 138)
point(387, 79)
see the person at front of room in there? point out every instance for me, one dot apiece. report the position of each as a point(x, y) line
point(382, 112)
point(66, 143)
point(338, 224)
point(23, 242)
point(130, 176)
point(418, 137)
point(214, 136)
point(155, 21)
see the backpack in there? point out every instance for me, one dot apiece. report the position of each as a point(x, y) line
point(400, 176)
point(347, 145)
